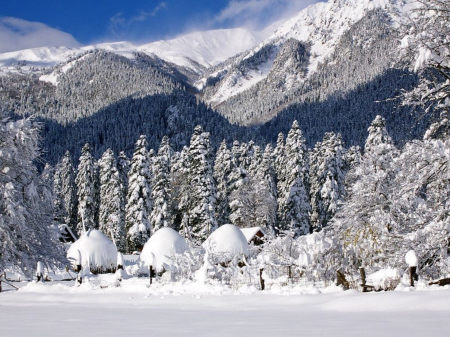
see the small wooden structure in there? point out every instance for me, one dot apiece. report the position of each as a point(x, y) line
point(254, 235)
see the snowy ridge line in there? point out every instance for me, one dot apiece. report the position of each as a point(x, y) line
point(195, 51)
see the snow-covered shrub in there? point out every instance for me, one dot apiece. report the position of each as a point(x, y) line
point(226, 244)
point(98, 252)
point(160, 250)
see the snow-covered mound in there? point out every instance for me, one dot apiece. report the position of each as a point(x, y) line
point(162, 247)
point(227, 240)
point(97, 251)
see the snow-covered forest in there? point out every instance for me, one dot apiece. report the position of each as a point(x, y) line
point(189, 203)
point(316, 162)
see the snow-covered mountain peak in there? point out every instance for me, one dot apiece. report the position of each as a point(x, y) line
point(206, 48)
point(195, 51)
point(319, 26)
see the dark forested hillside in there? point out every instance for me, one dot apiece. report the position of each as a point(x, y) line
point(109, 100)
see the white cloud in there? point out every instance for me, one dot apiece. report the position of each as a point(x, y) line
point(118, 22)
point(18, 34)
point(259, 13)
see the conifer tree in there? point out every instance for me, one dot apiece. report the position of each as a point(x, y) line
point(123, 166)
point(86, 191)
point(139, 202)
point(293, 200)
point(265, 175)
point(327, 164)
point(179, 178)
point(112, 201)
point(162, 215)
point(65, 192)
point(200, 205)
point(223, 167)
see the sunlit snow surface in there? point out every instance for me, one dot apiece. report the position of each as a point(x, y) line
point(189, 309)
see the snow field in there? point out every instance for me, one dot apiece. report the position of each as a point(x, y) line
point(189, 309)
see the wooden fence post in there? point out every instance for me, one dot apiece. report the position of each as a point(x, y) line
point(341, 280)
point(362, 273)
point(412, 275)
point(151, 272)
point(261, 280)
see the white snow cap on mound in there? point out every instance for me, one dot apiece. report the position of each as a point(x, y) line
point(227, 239)
point(97, 250)
point(411, 259)
point(159, 250)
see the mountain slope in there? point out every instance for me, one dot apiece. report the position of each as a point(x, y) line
point(319, 29)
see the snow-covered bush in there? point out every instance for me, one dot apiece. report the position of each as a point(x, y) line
point(162, 248)
point(98, 252)
point(225, 244)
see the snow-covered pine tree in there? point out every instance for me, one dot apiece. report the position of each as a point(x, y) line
point(293, 195)
point(202, 193)
point(223, 167)
point(246, 155)
point(26, 204)
point(256, 160)
point(265, 175)
point(279, 158)
point(139, 202)
point(327, 165)
point(162, 215)
point(123, 166)
point(236, 152)
point(86, 191)
point(179, 176)
point(112, 201)
point(65, 191)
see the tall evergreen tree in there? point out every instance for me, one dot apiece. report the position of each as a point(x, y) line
point(112, 201)
point(327, 164)
point(86, 191)
point(65, 192)
point(162, 215)
point(139, 202)
point(265, 175)
point(202, 194)
point(123, 166)
point(223, 167)
point(293, 200)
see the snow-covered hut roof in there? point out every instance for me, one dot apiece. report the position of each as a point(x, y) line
point(97, 251)
point(162, 247)
point(227, 239)
point(250, 233)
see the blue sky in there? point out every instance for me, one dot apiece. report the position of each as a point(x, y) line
point(27, 23)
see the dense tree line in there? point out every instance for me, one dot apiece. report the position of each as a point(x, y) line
point(194, 190)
